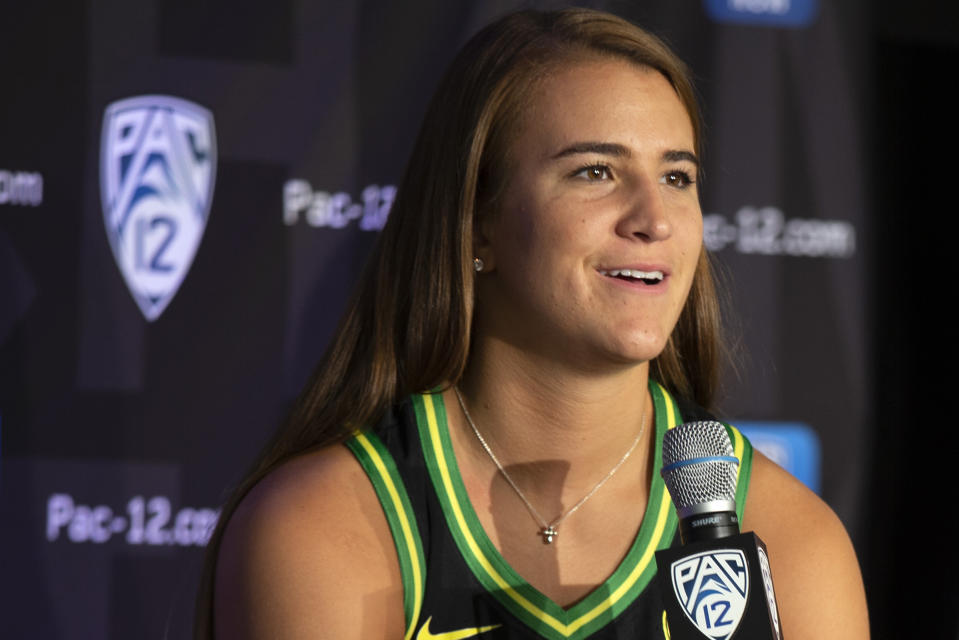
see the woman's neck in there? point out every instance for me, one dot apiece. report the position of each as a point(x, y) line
point(533, 411)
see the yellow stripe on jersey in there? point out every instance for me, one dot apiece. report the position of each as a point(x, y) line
point(374, 457)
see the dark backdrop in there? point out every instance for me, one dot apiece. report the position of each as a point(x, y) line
point(907, 570)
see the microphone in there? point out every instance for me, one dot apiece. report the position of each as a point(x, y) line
point(700, 473)
point(718, 583)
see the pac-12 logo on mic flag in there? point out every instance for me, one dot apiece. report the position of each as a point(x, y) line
point(157, 169)
point(713, 588)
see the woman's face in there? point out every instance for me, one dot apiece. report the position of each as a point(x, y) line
point(591, 248)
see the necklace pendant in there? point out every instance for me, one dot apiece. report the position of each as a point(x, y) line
point(548, 534)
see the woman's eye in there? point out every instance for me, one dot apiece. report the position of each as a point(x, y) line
point(679, 179)
point(594, 173)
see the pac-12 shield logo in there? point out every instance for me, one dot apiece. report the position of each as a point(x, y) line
point(712, 587)
point(157, 169)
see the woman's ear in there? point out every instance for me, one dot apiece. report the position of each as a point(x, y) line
point(484, 258)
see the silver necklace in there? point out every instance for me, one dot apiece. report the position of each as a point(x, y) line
point(547, 529)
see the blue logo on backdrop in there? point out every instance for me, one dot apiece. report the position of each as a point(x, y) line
point(773, 13)
point(794, 446)
point(157, 169)
point(712, 587)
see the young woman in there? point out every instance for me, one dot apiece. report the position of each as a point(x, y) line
point(538, 311)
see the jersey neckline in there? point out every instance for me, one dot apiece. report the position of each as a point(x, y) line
point(522, 599)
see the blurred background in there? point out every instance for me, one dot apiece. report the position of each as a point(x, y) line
point(188, 190)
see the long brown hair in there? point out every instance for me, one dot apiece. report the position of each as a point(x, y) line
point(407, 327)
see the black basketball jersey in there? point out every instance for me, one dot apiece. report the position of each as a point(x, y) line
point(456, 583)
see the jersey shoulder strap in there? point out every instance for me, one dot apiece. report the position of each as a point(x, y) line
point(381, 468)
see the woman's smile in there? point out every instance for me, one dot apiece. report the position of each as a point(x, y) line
point(644, 278)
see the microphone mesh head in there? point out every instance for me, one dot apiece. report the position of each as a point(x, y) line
point(698, 482)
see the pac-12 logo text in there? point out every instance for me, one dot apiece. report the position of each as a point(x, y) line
point(157, 170)
point(770, 592)
point(712, 588)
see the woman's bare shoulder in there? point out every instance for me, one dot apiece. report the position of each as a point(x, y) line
point(815, 572)
point(308, 554)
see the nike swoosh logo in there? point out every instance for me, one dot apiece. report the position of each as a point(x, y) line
point(425, 633)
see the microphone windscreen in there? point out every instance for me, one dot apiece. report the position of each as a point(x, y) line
point(699, 467)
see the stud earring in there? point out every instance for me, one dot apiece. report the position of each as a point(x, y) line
point(478, 264)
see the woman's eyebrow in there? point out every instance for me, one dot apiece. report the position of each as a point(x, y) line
point(676, 156)
point(604, 148)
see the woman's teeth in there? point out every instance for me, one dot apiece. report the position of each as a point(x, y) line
point(649, 277)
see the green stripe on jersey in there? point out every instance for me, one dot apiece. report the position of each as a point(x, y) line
point(381, 469)
point(743, 450)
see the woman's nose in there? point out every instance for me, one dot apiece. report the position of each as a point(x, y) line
point(646, 216)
